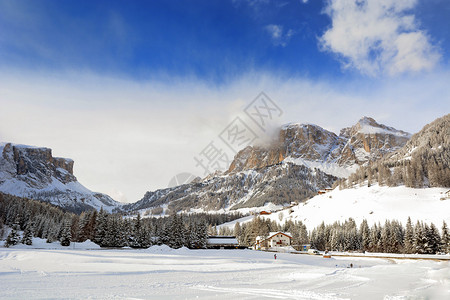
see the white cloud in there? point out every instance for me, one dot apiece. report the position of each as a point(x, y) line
point(130, 137)
point(378, 37)
point(278, 35)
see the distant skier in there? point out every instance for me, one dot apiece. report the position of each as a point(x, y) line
point(275, 256)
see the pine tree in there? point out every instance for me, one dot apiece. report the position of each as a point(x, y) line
point(52, 232)
point(202, 234)
point(433, 239)
point(177, 232)
point(191, 236)
point(303, 239)
point(335, 244)
point(385, 237)
point(375, 236)
point(13, 237)
point(420, 239)
point(84, 230)
point(66, 235)
point(409, 237)
point(101, 228)
point(365, 235)
point(28, 235)
point(396, 238)
point(445, 239)
point(2, 228)
point(136, 239)
point(238, 232)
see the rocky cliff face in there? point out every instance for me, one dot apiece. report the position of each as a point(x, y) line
point(300, 143)
point(304, 159)
point(370, 141)
point(38, 163)
point(34, 173)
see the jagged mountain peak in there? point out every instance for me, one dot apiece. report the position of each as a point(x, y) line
point(300, 125)
point(369, 140)
point(368, 125)
point(302, 143)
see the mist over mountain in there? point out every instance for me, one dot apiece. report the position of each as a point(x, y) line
point(293, 168)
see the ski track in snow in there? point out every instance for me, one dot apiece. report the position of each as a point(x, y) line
point(164, 273)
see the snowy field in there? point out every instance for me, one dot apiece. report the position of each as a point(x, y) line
point(163, 273)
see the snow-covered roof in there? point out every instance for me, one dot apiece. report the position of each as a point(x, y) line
point(272, 234)
point(222, 241)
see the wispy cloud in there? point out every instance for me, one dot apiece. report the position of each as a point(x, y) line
point(128, 137)
point(279, 36)
point(378, 37)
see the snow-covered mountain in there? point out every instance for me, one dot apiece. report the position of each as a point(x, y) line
point(34, 173)
point(424, 161)
point(278, 184)
point(315, 147)
point(428, 154)
point(304, 159)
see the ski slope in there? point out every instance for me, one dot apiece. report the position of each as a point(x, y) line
point(375, 204)
point(164, 273)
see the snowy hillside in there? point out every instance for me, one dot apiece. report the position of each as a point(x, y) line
point(33, 172)
point(375, 204)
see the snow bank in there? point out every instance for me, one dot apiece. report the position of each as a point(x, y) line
point(39, 243)
point(165, 249)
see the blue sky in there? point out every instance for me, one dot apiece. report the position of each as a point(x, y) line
point(133, 90)
point(211, 40)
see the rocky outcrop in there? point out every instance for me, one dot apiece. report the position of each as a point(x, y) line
point(34, 173)
point(256, 157)
point(306, 141)
point(38, 163)
point(356, 145)
point(370, 141)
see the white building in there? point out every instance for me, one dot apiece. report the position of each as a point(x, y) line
point(273, 240)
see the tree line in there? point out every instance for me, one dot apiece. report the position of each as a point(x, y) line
point(390, 237)
point(37, 219)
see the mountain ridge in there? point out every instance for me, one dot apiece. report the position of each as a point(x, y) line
point(306, 149)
